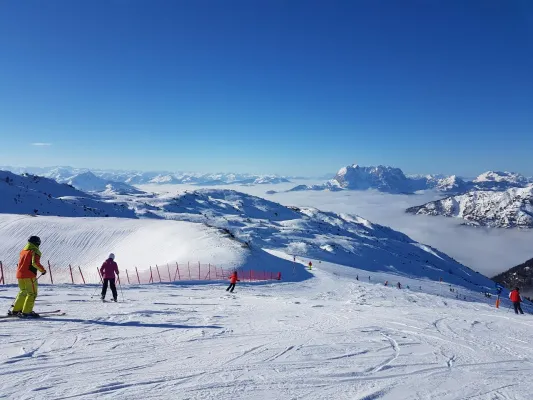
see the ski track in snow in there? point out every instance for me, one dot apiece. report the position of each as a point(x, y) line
point(318, 339)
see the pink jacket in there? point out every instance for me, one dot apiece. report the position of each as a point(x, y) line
point(108, 269)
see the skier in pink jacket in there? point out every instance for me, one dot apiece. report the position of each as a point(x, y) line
point(108, 270)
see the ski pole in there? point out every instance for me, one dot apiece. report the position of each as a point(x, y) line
point(121, 291)
point(94, 292)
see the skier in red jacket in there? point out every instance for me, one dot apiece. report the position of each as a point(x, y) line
point(108, 270)
point(516, 299)
point(233, 279)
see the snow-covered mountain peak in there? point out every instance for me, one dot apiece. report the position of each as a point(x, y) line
point(451, 184)
point(501, 176)
point(35, 195)
point(505, 209)
point(383, 178)
point(89, 182)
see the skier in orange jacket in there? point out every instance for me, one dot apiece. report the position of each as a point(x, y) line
point(29, 264)
point(233, 279)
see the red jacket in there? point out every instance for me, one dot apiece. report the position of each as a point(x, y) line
point(233, 278)
point(515, 296)
point(108, 269)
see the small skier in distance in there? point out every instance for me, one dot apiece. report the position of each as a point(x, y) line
point(516, 299)
point(29, 264)
point(233, 279)
point(108, 270)
point(399, 285)
point(310, 265)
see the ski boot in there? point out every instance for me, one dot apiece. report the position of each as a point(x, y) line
point(115, 299)
point(13, 313)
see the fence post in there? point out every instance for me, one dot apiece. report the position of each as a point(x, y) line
point(71, 276)
point(151, 276)
point(199, 278)
point(169, 278)
point(127, 276)
point(138, 279)
point(158, 274)
point(50, 270)
point(250, 275)
point(189, 266)
point(209, 273)
point(177, 272)
point(81, 273)
point(2, 272)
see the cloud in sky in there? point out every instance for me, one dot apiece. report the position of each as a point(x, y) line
point(41, 144)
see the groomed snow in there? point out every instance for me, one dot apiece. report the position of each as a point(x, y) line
point(141, 243)
point(330, 337)
point(87, 242)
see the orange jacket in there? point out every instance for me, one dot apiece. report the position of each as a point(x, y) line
point(233, 278)
point(515, 296)
point(29, 262)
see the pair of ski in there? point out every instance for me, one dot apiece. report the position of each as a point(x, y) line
point(44, 314)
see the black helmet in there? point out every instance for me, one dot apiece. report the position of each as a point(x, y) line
point(36, 240)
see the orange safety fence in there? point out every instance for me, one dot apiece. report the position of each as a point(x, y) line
point(164, 273)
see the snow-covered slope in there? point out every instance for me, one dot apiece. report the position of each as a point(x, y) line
point(308, 232)
point(28, 194)
point(86, 242)
point(331, 337)
point(259, 224)
point(507, 209)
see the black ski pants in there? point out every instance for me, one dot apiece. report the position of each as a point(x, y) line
point(517, 307)
point(231, 287)
point(111, 283)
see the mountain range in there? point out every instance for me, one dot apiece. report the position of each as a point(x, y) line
point(67, 174)
point(393, 180)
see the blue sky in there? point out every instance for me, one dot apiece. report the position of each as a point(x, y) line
point(292, 87)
